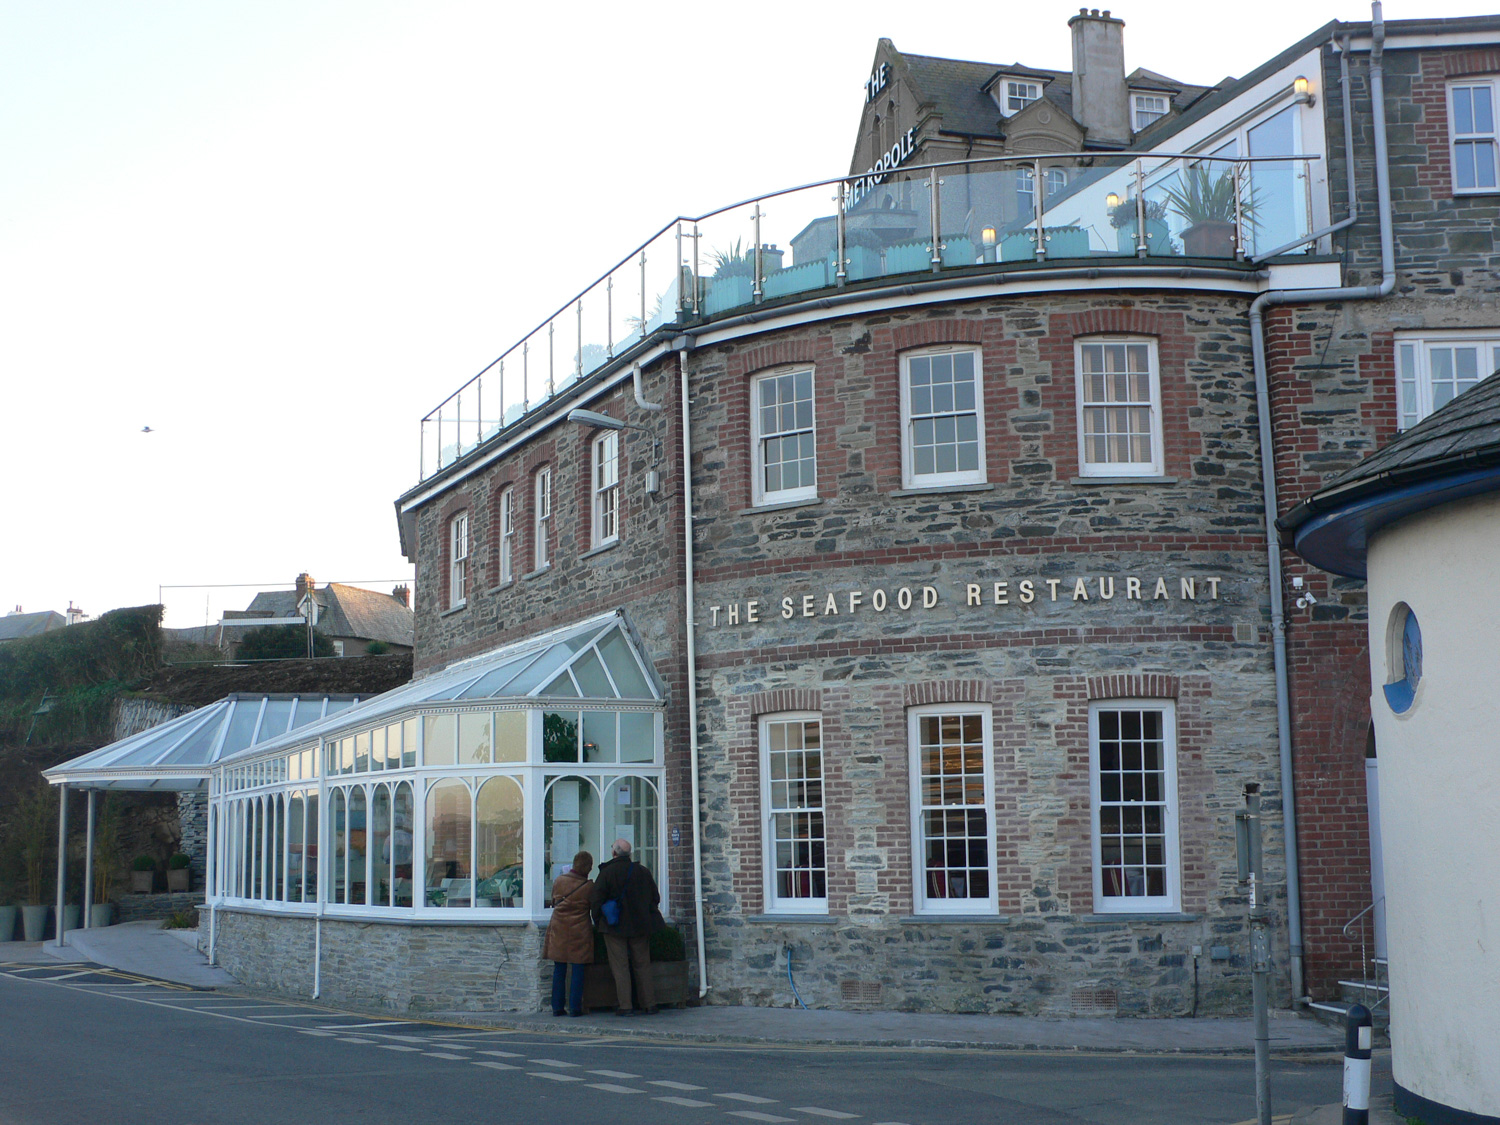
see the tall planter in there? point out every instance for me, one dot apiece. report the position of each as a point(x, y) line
point(1209, 238)
point(179, 879)
point(72, 917)
point(7, 923)
point(141, 882)
point(670, 979)
point(33, 922)
point(101, 914)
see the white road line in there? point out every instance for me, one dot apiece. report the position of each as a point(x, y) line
point(615, 1088)
point(353, 1039)
point(494, 1065)
point(552, 1062)
point(678, 1086)
point(445, 1055)
point(314, 1031)
point(614, 1073)
point(268, 1016)
point(552, 1074)
point(689, 1102)
point(70, 976)
point(397, 1047)
point(816, 1112)
point(503, 1054)
point(756, 1115)
point(751, 1098)
point(368, 1025)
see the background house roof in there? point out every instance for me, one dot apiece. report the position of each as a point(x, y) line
point(16, 625)
point(343, 611)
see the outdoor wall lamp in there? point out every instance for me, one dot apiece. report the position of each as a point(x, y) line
point(1304, 94)
point(987, 236)
point(605, 422)
point(1112, 200)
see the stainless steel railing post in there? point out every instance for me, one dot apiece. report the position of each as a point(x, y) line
point(936, 220)
point(1038, 205)
point(1239, 214)
point(757, 294)
point(609, 317)
point(1141, 249)
point(842, 272)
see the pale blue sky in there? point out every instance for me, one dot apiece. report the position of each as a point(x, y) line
point(280, 232)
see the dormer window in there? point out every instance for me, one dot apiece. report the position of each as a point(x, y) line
point(1146, 108)
point(1018, 95)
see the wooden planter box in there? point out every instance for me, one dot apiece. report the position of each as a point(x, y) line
point(141, 882)
point(669, 977)
point(179, 878)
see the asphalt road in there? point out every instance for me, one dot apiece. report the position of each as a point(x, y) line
point(82, 1044)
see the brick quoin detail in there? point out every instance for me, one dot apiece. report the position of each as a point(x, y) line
point(947, 691)
point(1176, 354)
point(1133, 687)
point(785, 699)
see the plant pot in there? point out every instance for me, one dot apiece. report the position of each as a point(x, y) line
point(670, 979)
point(33, 922)
point(1158, 238)
point(7, 923)
point(142, 882)
point(1211, 239)
point(179, 878)
point(72, 918)
point(101, 914)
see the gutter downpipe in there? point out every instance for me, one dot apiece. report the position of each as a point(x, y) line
point(1268, 473)
point(692, 661)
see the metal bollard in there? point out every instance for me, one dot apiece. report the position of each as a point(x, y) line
point(1357, 1037)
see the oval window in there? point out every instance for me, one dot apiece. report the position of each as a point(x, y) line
point(1403, 658)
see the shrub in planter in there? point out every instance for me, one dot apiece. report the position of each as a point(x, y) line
point(142, 874)
point(669, 972)
point(180, 873)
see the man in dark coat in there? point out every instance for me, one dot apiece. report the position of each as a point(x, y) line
point(628, 941)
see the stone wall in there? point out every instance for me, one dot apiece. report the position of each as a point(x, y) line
point(139, 908)
point(386, 967)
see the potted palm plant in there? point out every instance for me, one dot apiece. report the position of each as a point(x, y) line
point(180, 873)
point(1205, 199)
point(34, 829)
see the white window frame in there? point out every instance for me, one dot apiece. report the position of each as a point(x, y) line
point(775, 904)
point(1018, 93)
point(921, 903)
point(1056, 180)
point(909, 476)
point(1171, 902)
point(458, 561)
point(1086, 468)
point(604, 524)
point(1492, 84)
point(1414, 366)
point(759, 494)
point(1138, 108)
point(541, 521)
point(507, 533)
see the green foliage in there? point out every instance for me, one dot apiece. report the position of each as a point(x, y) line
point(179, 861)
point(666, 945)
point(559, 738)
point(143, 863)
point(181, 920)
point(377, 648)
point(78, 671)
point(34, 825)
point(1201, 195)
point(106, 848)
point(281, 642)
point(1123, 214)
point(737, 261)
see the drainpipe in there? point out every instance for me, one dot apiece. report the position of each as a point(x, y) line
point(640, 398)
point(1268, 473)
point(692, 663)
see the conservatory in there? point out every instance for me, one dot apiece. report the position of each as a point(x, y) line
point(458, 797)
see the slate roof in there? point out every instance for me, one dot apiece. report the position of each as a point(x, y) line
point(14, 626)
point(343, 611)
point(1463, 435)
point(958, 90)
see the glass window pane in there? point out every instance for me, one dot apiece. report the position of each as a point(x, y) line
point(630, 813)
point(409, 743)
point(591, 678)
point(560, 736)
point(499, 821)
point(474, 737)
point(510, 736)
point(599, 737)
point(380, 847)
point(403, 822)
point(449, 833)
point(637, 736)
point(355, 872)
point(440, 740)
point(623, 667)
point(570, 824)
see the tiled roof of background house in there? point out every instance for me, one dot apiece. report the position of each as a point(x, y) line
point(16, 625)
point(344, 611)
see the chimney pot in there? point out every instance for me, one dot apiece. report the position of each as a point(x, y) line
point(304, 584)
point(403, 595)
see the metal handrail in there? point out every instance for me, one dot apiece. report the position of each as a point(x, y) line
point(1364, 961)
point(1032, 162)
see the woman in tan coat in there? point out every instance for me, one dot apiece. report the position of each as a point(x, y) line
point(570, 934)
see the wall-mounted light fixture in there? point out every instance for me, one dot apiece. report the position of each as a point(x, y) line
point(1112, 200)
point(987, 237)
point(605, 422)
point(1303, 90)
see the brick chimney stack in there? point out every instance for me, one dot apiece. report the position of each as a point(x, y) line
point(1101, 103)
point(403, 595)
point(305, 585)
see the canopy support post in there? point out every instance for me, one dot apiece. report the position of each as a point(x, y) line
point(62, 863)
point(88, 865)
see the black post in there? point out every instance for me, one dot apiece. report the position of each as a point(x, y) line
point(1357, 1037)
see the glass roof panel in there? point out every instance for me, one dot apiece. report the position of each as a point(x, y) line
point(241, 725)
point(309, 710)
point(540, 672)
point(493, 683)
point(274, 722)
point(563, 685)
point(199, 747)
point(623, 666)
point(591, 678)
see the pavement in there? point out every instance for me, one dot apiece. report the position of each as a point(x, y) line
point(172, 955)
